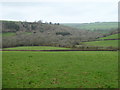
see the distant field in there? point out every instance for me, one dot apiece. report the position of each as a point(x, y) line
point(7, 34)
point(114, 36)
point(82, 69)
point(11, 34)
point(35, 48)
point(103, 27)
point(105, 43)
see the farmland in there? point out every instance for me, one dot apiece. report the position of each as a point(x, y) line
point(28, 62)
point(114, 36)
point(96, 69)
point(7, 34)
point(35, 48)
point(105, 43)
point(102, 27)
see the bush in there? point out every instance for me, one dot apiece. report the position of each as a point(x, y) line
point(63, 33)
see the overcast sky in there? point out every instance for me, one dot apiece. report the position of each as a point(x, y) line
point(62, 11)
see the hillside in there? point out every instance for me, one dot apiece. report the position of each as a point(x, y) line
point(39, 33)
point(114, 36)
point(105, 43)
point(102, 27)
point(108, 41)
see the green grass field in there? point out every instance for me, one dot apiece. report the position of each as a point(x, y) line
point(105, 43)
point(11, 34)
point(35, 48)
point(7, 34)
point(82, 69)
point(114, 36)
point(105, 26)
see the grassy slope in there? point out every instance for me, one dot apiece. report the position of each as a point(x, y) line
point(60, 69)
point(103, 27)
point(92, 26)
point(35, 48)
point(114, 36)
point(106, 43)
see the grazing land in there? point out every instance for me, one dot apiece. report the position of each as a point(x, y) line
point(105, 43)
point(7, 34)
point(114, 36)
point(82, 69)
point(35, 48)
point(25, 68)
point(102, 27)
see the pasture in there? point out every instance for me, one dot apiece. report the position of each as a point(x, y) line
point(103, 27)
point(78, 69)
point(105, 43)
point(114, 36)
point(7, 34)
point(35, 48)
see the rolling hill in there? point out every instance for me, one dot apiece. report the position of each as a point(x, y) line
point(114, 36)
point(102, 27)
point(18, 33)
point(105, 41)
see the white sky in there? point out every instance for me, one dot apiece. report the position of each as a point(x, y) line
point(61, 11)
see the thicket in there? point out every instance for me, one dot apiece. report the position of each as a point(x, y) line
point(10, 25)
